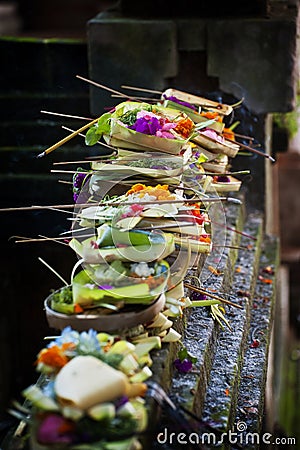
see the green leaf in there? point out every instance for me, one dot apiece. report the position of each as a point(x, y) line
point(205, 124)
point(92, 137)
point(219, 316)
point(96, 131)
point(202, 158)
point(104, 123)
point(184, 354)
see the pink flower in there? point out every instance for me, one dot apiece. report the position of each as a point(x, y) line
point(164, 134)
point(212, 134)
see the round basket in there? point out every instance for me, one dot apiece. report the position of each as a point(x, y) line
point(128, 318)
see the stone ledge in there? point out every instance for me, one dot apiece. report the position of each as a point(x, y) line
point(227, 364)
point(236, 390)
point(208, 354)
point(250, 407)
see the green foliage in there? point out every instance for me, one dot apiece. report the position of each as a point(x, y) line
point(288, 121)
point(95, 133)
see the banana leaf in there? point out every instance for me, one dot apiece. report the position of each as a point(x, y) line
point(86, 291)
point(227, 148)
point(127, 137)
point(230, 186)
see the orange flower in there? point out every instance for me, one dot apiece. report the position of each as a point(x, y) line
point(205, 238)
point(136, 188)
point(55, 356)
point(78, 309)
point(184, 127)
point(161, 191)
point(211, 115)
point(228, 134)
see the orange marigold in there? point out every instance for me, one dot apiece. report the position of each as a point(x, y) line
point(228, 134)
point(55, 356)
point(136, 188)
point(212, 115)
point(184, 127)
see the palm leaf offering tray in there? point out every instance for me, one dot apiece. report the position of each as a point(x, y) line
point(142, 217)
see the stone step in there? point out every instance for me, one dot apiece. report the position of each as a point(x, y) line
point(207, 340)
point(26, 105)
point(37, 133)
point(43, 65)
point(235, 387)
point(200, 331)
point(26, 190)
point(221, 395)
point(250, 411)
point(23, 160)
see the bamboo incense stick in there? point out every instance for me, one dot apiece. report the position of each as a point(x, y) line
point(52, 270)
point(218, 174)
point(134, 88)
point(110, 203)
point(68, 171)
point(250, 138)
point(251, 149)
point(48, 239)
point(62, 163)
point(55, 240)
point(175, 225)
point(66, 115)
point(237, 247)
point(216, 297)
point(101, 86)
point(148, 99)
point(70, 129)
point(242, 233)
point(36, 207)
point(204, 105)
point(66, 139)
point(75, 230)
point(65, 182)
point(166, 202)
point(98, 142)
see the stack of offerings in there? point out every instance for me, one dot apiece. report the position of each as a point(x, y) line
point(146, 213)
point(141, 219)
point(133, 263)
point(195, 132)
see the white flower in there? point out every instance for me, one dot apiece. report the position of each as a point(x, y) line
point(142, 269)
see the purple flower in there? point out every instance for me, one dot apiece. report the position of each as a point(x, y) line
point(78, 180)
point(223, 179)
point(183, 366)
point(121, 401)
point(160, 167)
point(198, 296)
point(146, 125)
point(55, 429)
point(180, 102)
point(105, 287)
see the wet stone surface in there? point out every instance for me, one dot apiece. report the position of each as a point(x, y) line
point(224, 369)
point(227, 383)
point(250, 407)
